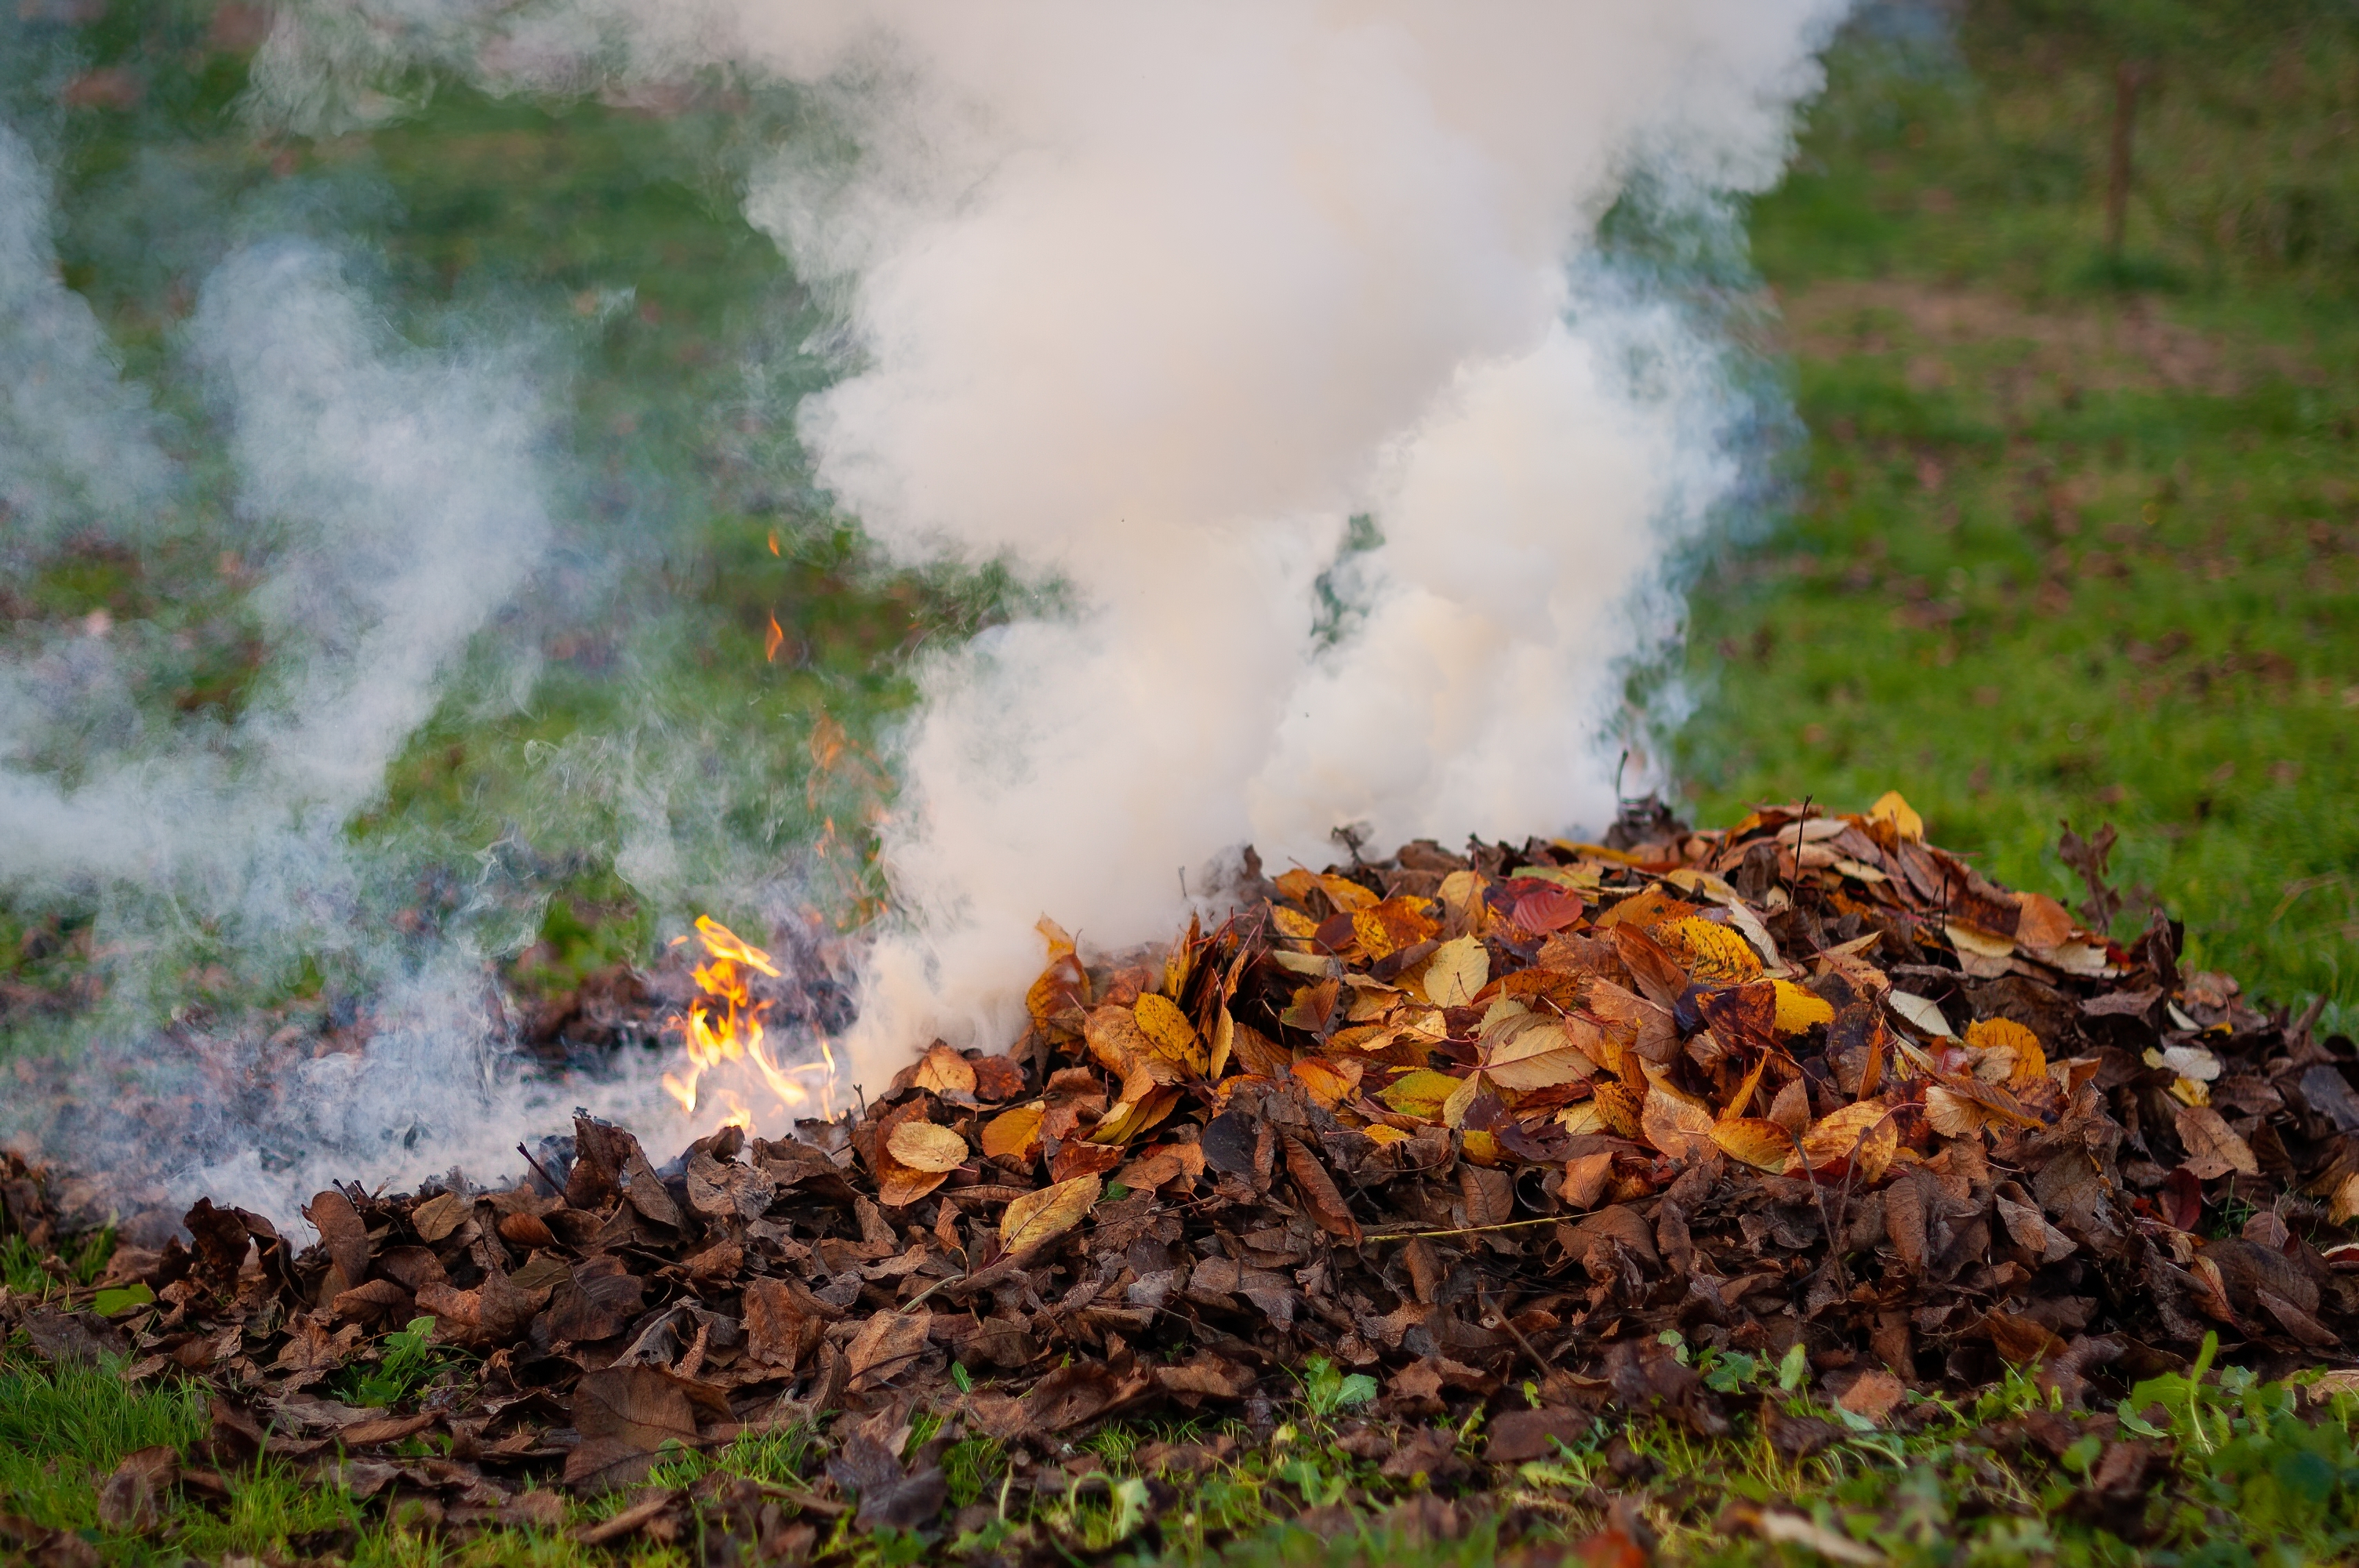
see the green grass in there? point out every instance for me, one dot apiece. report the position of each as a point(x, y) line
point(2091, 554)
point(2253, 1472)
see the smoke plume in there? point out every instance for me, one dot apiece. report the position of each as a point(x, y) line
point(1156, 299)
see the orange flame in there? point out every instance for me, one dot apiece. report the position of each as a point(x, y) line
point(770, 641)
point(724, 1025)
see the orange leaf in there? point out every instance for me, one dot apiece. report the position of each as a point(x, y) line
point(1834, 1136)
point(1015, 1133)
point(1755, 1141)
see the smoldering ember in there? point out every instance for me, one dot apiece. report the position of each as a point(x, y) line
point(1482, 1145)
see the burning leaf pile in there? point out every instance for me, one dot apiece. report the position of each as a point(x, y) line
point(1484, 1132)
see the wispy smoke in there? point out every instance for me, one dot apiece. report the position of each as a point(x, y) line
point(393, 501)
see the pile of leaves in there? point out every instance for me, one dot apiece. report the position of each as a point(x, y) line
point(1508, 1140)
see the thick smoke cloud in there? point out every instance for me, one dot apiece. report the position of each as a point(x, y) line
point(1154, 298)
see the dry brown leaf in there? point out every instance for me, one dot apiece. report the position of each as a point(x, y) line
point(1675, 1124)
point(1585, 1176)
point(943, 1071)
point(2042, 921)
point(1041, 1216)
point(2213, 1149)
point(1532, 1052)
point(925, 1146)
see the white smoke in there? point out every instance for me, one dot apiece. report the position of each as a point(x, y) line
point(393, 501)
point(76, 442)
point(1153, 298)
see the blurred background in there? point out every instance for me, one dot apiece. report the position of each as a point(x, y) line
point(2065, 526)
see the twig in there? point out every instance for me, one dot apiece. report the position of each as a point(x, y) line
point(554, 1184)
point(2300, 1031)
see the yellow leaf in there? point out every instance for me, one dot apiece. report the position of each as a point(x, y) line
point(1460, 1100)
point(1906, 824)
point(1224, 1039)
point(1737, 1103)
point(1137, 1112)
point(1716, 954)
point(1168, 1029)
point(1015, 1133)
point(1457, 972)
point(1481, 1147)
point(1293, 923)
point(1798, 1009)
point(1834, 1136)
point(1043, 1216)
point(1395, 923)
point(1618, 1104)
point(923, 1146)
point(1382, 1133)
point(1675, 1124)
point(1346, 894)
point(1755, 1141)
point(1419, 1093)
point(1583, 1117)
point(1872, 1155)
point(1461, 894)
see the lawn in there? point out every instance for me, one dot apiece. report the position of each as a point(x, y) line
point(2072, 538)
point(2069, 536)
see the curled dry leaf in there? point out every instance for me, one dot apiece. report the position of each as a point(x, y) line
point(927, 1146)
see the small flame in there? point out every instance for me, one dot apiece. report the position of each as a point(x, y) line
point(773, 541)
point(770, 641)
point(724, 1025)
